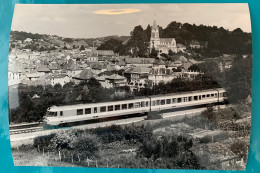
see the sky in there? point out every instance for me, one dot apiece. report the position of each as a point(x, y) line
point(98, 20)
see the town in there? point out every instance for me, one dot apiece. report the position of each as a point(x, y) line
point(61, 61)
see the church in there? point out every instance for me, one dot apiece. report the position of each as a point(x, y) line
point(162, 45)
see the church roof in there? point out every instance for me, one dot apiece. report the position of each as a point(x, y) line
point(166, 40)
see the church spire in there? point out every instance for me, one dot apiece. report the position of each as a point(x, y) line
point(154, 22)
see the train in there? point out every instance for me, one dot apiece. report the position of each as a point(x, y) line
point(59, 115)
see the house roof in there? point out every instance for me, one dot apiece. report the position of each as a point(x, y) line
point(43, 69)
point(186, 65)
point(105, 52)
point(179, 45)
point(183, 59)
point(139, 70)
point(115, 77)
point(86, 74)
point(55, 76)
point(33, 75)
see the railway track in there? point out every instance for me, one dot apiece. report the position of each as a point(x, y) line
point(25, 128)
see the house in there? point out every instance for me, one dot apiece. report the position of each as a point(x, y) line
point(181, 47)
point(105, 53)
point(84, 75)
point(73, 70)
point(194, 44)
point(137, 74)
point(43, 69)
point(116, 80)
point(33, 76)
point(58, 79)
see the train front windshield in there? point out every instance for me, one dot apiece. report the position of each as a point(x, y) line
point(51, 114)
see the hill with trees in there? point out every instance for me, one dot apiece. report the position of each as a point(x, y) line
point(214, 40)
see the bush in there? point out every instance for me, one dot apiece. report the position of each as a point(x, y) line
point(216, 137)
point(240, 148)
point(43, 141)
point(85, 144)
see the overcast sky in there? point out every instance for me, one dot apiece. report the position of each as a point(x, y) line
point(95, 20)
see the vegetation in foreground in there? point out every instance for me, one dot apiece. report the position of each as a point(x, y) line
point(199, 142)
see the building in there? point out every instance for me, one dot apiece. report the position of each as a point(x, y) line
point(162, 45)
point(61, 79)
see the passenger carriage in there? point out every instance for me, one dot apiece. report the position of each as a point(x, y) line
point(57, 115)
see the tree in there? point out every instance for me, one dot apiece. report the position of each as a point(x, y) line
point(138, 41)
point(82, 47)
point(194, 67)
point(239, 79)
point(170, 52)
point(153, 53)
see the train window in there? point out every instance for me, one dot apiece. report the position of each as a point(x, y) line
point(117, 107)
point(199, 97)
point(55, 114)
point(212, 95)
point(110, 108)
point(163, 102)
point(208, 95)
point(185, 99)
point(190, 98)
point(157, 102)
point(224, 94)
point(179, 100)
point(153, 103)
point(142, 104)
point(168, 101)
point(61, 113)
point(216, 95)
point(195, 97)
point(95, 109)
point(203, 96)
point(124, 106)
point(146, 104)
point(88, 111)
point(130, 105)
point(79, 111)
point(174, 100)
point(103, 109)
point(137, 105)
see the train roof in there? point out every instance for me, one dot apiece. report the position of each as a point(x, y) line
point(137, 99)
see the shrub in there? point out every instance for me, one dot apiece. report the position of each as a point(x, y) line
point(240, 148)
point(43, 141)
point(86, 144)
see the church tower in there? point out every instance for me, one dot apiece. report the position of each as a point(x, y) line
point(155, 39)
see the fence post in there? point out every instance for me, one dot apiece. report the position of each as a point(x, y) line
point(59, 155)
point(78, 157)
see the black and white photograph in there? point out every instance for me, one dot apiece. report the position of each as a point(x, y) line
point(151, 86)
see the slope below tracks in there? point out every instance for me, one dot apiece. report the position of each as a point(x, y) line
point(18, 139)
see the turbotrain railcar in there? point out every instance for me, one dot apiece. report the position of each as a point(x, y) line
point(57, 115)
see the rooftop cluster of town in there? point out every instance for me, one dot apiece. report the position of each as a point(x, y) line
point(111, 70)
